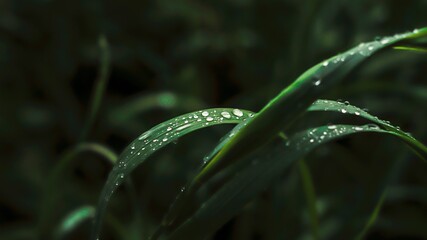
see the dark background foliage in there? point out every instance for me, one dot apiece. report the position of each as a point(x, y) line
point(172, 57)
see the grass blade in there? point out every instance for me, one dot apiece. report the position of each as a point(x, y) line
point(74, 219)
point(156, 138)
point(283, 110)
point(251, 180)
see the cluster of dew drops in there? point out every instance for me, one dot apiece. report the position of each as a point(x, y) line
point(363, 49)
point(318, 135)
point(170, 131)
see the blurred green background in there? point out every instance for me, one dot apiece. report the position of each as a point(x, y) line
point(173, 57)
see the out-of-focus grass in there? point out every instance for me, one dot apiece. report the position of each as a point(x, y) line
point(211, 54)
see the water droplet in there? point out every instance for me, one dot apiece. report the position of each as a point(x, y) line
point(226, 114)
point(209, 119)
point(318, 82)
point(165, 139)
point(415, 31)
point(205, 114)
point(184, 126)
point(312, 140)
point(332, 127)
point(343, 110)
point(143, 136)
point(372, 126)
point(385, 40)
point(358, 128)
point(237, 112)
point(168, 129)
point(122, 175)
point(325, 63)
point(357, 113)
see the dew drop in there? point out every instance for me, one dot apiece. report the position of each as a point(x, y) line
point(357, 113)
point(358, 128)
point(312, 140)
point(205, 114)
point(168, 129)
point(226, 114)
point(332, 127)
point(209, 119)
point(165, 139)
point(325, 63)
point(184, 127)
point(237, 112)
point(343, 110)
point(318, 82)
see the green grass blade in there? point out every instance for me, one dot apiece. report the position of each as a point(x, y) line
point(100, 86)
point(156, 138)
point(284, 109)
point(373, 218)
point(74, 219)
point(310, 196)
point(329, 105)
point(52, 191)
point(294, 99)
point(251, 180)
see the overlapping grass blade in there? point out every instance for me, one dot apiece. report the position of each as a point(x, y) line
point(302, 143)
point(251, 180)
point(156, 138)
point(345, 108)
point(283, 110)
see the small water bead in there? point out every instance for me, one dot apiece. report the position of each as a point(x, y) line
point(237, 112)
point(357, 113)
point(205, 114)
point(325, 63)
point(185, 126)
point(164, 139)
point(312, 140)
point(209, 119)
point(416, 31)
point(318, 82)
point(168, 129)
point(226, 114)
point(372, 126)
point(385, 41)
point(122, 175)
point(332, 127)
point(144, 136)
point(358, 128)
point(343, 110)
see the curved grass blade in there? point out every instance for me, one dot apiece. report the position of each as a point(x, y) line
point(345, 108)
point(156, 138)
point(100, 86)
point(292, 101)
point(251, 180)
point(74, 219)
point(302, 143)
point(51, 192)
